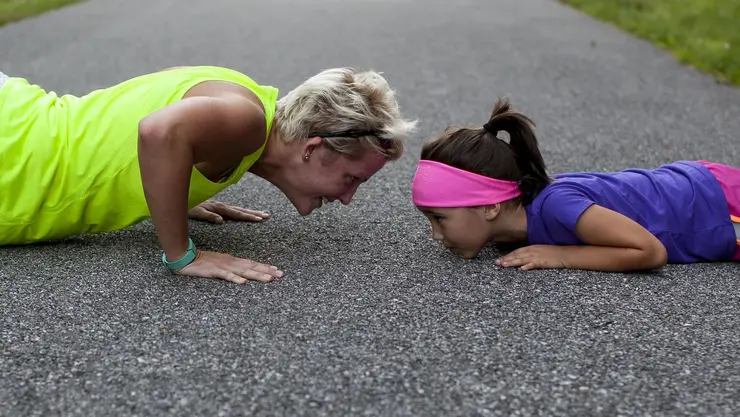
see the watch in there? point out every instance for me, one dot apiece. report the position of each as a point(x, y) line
point(185, 260)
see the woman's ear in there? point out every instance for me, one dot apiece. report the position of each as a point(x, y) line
point(492, 211)
point(310, 145)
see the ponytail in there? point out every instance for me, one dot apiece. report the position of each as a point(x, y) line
point(479, 151)
point(523, 143)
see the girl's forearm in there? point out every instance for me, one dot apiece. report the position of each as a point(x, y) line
point(611, 259)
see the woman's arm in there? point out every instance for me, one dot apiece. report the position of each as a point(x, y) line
point(614, 243)
point(178, 136)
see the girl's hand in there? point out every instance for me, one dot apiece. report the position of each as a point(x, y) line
point(229, 268)
point(534, 257)
point(216, 212)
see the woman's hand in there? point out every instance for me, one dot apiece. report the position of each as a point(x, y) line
point(216, 212)
point(209, 264)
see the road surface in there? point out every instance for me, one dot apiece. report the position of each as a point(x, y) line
point(372, 317)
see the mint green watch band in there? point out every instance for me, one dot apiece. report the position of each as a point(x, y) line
point(184, 261)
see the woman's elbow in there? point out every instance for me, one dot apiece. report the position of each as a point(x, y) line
point(157, 138)
point(152, 131)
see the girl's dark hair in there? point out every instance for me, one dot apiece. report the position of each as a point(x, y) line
point(480, 151)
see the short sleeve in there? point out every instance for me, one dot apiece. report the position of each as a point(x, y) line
point(561, 205)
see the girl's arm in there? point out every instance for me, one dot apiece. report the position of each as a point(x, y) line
point(614, 243)
point(618, 243)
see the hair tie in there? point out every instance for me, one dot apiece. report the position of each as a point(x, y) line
point(487, 126)
point(352, 133)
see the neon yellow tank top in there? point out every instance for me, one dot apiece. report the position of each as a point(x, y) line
point(69, 165)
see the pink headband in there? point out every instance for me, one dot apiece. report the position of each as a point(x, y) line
point(439, 185)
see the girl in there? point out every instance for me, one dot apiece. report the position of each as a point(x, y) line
point(476, 188)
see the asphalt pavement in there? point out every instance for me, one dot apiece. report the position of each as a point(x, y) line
point(373, 318)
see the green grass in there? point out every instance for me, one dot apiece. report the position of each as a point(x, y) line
point(12, 10)
point(701, 33)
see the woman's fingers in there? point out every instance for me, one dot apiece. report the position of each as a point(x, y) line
point(249, 269)
point(268, 269)
point(254, 270)
point(217, 212)
point(242, 215)
point(236, 213)
point(255, 213)
point(229, 276)
point(201, 213)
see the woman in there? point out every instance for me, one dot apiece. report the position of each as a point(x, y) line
point(160, 145)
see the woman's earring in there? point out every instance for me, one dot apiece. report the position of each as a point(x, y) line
point(305, 157)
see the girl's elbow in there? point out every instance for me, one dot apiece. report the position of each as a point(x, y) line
point(656, 256)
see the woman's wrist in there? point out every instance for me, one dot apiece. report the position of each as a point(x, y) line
point(183, 260)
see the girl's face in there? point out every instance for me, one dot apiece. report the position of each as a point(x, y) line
point(464, 231)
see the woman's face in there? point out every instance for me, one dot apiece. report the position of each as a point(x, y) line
point(327, 175)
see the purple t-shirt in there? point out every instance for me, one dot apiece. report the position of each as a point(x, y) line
point(681, 203)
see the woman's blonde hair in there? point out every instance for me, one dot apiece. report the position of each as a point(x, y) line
point(353, 112)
